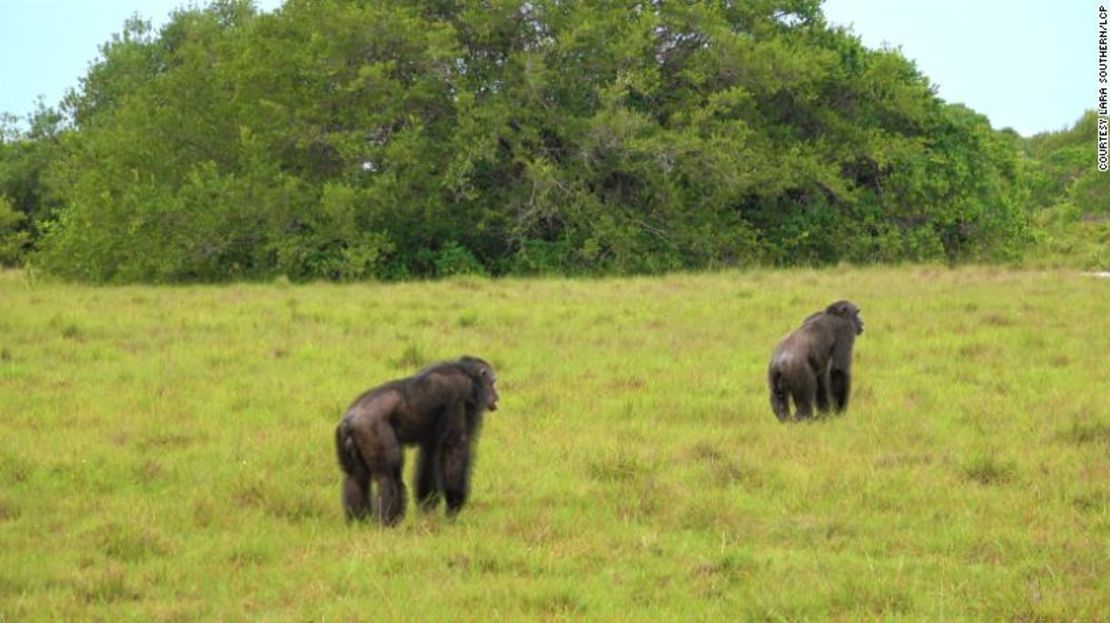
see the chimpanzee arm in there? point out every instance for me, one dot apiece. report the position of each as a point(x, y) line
point(454, 448)
point(428, 483)
point(840, 369)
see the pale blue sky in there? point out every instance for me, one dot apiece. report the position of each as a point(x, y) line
point(1026, 64)
point(46, 46)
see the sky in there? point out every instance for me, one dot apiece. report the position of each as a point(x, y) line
point(1025, 64)
point(1029, 65)
point(46, 46)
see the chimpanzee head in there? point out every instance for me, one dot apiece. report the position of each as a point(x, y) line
point(485, 381)
point(848, 311)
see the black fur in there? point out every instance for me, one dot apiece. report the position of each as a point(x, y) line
point(355, 495)
point(439, 409)
point(814, 363)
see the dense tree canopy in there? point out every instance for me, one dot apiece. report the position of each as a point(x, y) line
point(346, 139)
point(1068, 197)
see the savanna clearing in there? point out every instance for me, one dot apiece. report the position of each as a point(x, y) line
point(167, 452)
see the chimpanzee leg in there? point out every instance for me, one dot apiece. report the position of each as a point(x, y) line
point(356, 498)
point(382, 452)
point(803, 388)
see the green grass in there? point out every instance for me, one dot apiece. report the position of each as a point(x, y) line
point(167, 451)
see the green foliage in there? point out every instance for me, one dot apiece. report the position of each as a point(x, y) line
point(1069, 198)
point(13, 239)
point(25, 200)
point(454, 259)
point(168, 451)
point(350, 140)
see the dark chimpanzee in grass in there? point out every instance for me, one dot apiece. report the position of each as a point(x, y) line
point(814, 362)
point(438, 409)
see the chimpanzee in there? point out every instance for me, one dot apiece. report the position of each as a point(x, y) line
point(438, 409)
point(814, 362)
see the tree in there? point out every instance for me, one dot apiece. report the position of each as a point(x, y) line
point(342, 139)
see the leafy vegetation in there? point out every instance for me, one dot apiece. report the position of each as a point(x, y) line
point(341, 140)
point(1069, 198)
point(168, 454)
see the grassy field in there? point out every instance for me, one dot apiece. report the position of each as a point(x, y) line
point(167, 452)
